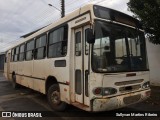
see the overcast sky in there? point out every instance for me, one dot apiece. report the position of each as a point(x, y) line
point(19, 17)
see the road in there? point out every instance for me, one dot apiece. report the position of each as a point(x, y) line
point(24, 99)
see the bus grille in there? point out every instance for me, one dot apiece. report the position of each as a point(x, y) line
point(132, 99)
point(129, 88)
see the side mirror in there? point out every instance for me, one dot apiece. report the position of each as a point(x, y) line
point(90, 36)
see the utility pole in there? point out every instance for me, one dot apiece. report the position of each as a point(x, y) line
point(62, 8)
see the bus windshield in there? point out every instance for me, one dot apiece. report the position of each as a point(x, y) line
point(118, 48)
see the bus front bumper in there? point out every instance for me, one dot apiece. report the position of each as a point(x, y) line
point(116, 102)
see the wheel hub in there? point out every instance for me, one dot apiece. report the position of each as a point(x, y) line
point(55, 97)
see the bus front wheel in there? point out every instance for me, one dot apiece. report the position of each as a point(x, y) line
point(53, 96)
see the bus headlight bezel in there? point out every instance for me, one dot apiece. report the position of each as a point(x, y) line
point(109, 91)
point(146, 85)
point(104, 91)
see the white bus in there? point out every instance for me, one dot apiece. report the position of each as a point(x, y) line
point(94, 58)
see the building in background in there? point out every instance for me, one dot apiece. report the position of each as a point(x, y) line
point(2, 58)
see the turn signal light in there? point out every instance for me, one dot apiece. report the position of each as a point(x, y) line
point(97, 91)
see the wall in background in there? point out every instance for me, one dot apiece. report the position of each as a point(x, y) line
point(154, 62)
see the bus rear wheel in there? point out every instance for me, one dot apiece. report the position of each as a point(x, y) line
point(53, 96)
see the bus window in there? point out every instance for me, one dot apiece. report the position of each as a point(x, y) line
point(16, 54)
point(29, 50)
point(58, 43)
point(40, 47)
point(78, 44)
point(21, 55)
point(12, 58)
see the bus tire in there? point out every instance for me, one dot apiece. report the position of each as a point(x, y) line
point(53, 96)
point(14, 84)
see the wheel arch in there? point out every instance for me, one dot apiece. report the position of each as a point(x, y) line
point(50, 81)
point(13, 73)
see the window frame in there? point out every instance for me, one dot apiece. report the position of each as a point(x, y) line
point(22, 52)
point(33, 39)
point(63, 41)
point(86, 42)
point(13, 53)
point(16, 54)
point(76, 34)
point(45, 47)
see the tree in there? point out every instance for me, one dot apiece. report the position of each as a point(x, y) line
point(148, 12)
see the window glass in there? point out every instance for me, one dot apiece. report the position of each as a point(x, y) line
point(15, 58)
point(22, 48)
point(12, 57)
point(86, 43)
point(12, 51)
point(118, 48)
point(51, 49)
point(40, 53)
point(106, 13)
point(78, 80)
point(58, 42)
point(17, 50)
point(30, 50)
point(40, 47)
point(30, 45)
point(15, 54)
point(29, 55)
point(21, 55)
point(57, 50)
point(78, 44)
point(56, 36)
point(40, 42)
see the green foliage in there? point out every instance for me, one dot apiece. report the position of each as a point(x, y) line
point(148, 12)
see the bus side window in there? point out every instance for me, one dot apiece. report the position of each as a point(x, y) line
point(40, 50)
point(16, 55)
point(58, 42)
point(12, 58)
point(30, 50)
point(21, 54)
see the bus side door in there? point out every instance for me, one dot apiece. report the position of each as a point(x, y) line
point(81, 66)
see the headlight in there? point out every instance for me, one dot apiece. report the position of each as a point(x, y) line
point(104, 91)
point(109, 91)
point(146, 85)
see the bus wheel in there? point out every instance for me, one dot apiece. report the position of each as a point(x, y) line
point(53, 96)
point(14, 84)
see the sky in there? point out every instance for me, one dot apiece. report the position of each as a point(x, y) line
point(19, 17)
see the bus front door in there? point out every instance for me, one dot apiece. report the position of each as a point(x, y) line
point(81, 66)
